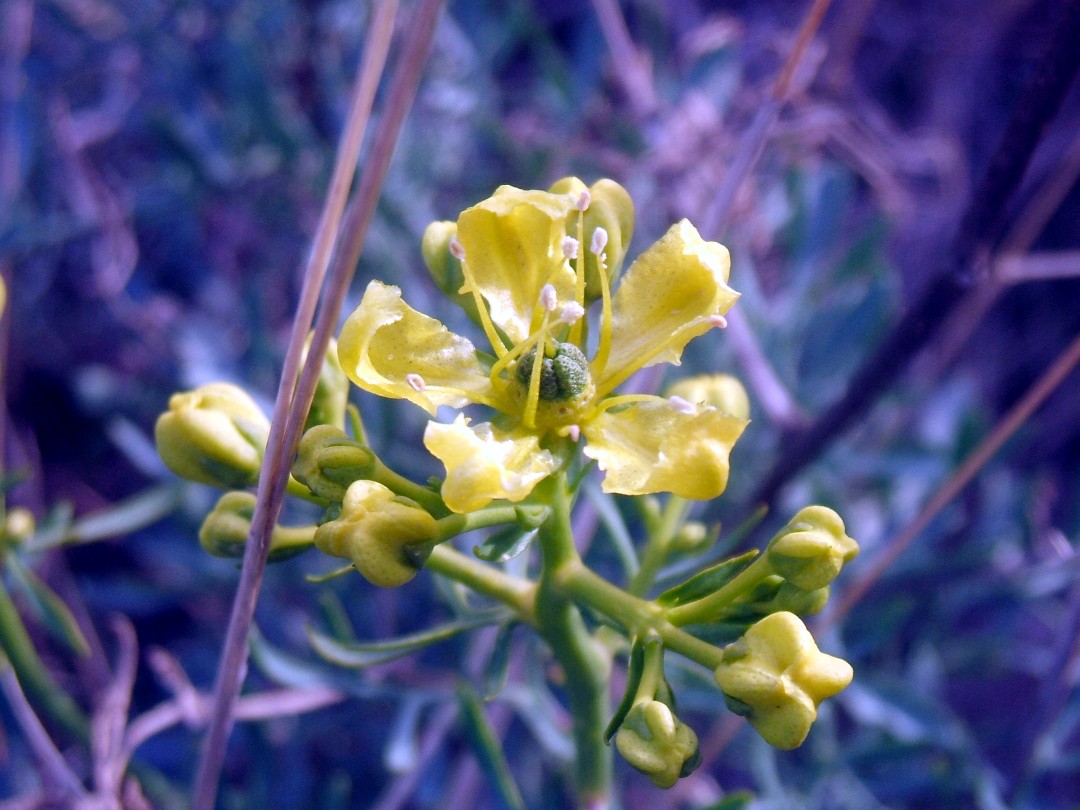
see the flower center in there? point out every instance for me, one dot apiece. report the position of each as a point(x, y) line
point(564, 371)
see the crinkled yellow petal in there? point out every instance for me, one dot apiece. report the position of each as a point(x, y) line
point(390, 349)
point(483, 464)
point(649, 446)
point(513, 247)
point(664, 301)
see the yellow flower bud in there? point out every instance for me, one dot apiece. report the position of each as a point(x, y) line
point(328, 461)
point(224, 532)
point(214, 435)
point(720, 391)
point(331, 392)
point(387, 537)
point(610, 208)
point(810, 551)
point(19, 523)
point(657, 743)
point(776, 677)
point(444, 267)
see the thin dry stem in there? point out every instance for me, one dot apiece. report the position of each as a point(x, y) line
point(1009, 424)
point(272, 483)
point(630, 68)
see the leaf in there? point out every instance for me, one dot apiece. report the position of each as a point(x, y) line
point(361, 654)
point(48, 607)
point(287, 670)
point(485, 744)
point(505, 544)
point(634, 667)
point(706, 582)
point(119, 519)
point(498, 668)
point(402, 752)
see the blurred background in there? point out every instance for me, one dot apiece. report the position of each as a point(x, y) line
point(162, 168)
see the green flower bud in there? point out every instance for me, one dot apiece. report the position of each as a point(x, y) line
point(610, 208)
point(691, 536)
point(224, 532)
point(657, 743)
point(720, 391)
point(387, 537)
point(214, 435)
point(776, 677)
point(810, 551)
point(331, 392)
point(444, 267)
point(328, 461)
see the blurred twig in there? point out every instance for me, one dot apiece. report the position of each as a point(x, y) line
point(272, 482)
point(976, 235)
point(1009, 424)
point(629, 67)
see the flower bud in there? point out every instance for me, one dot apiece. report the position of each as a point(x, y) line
point(387, 537)
point(19, 523)
point(328, 461)
point(720, 391)
point(610, 208)
point(331, 392)
point(657, 743)
point(810, 551)
point(214, 435)
point(224, 532)
point(444, 267)
point(776, 677)
point(692, 536)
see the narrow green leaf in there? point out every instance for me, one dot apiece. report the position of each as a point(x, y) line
point(485, 743)
point(498, 667)
point(288, 670)
point(48, 607)
point(114, 521)
point(634, 667)
point(358, 655)
point(706, 582)
point(505, 544)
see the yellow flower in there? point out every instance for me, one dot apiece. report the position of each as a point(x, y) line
point(523, 263)
point(776, 677)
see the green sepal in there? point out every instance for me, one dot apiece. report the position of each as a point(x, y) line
point(634, 667)
point(706, 582)
point(362, 654)
point(485, 744)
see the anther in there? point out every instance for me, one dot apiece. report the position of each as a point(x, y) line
point(583, 200)
point(719, 321)
point(549, 298)
point(569, 247)
point(681, 405)
point(599, 241)
point(456, 250)
point(571, 313)
point(574, 432)
point(416, 382)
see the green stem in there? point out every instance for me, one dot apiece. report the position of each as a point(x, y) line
point(453, 525)
point(424, 496)
point(585, 667)
point(33, 677)
point(289, 537)
point(656, 550)
point(709, 607)
point(520, 594)
point(637, 616)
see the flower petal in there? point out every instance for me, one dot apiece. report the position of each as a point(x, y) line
point(649, 446)
point(664, 301)
point(513, 247)
point(483, 464)
point(390, 349)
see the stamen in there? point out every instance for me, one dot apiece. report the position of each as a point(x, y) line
point(571, 313)
point(549, 298)
point(719, 321)
point(599, 241)
point(456, 250)
point(570, 247)
point(574, 432)
point(583, 200)
point(681, 405)
point(416, 382)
